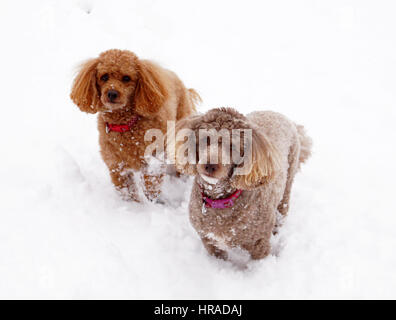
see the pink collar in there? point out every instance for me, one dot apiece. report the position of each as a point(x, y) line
point(121, 127)
point(221, 203)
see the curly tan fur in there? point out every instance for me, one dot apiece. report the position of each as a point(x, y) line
point(279, 146)
point(144, 89)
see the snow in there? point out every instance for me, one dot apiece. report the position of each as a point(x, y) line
point(209, 180)
point(329, 65)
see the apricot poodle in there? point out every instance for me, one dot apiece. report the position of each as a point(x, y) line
point(233, 211)
point(131, 96)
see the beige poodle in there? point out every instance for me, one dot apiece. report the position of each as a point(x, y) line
point(131, 96)
point(238, 211)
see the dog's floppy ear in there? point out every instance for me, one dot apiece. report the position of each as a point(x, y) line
point(259, 166)
point(84, 92)
point(150, 91)
point(181, 145)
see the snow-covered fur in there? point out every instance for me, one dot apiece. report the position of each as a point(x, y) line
point(279, 146)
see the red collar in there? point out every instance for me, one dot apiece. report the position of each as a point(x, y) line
point(122, 127)
point(221, 203)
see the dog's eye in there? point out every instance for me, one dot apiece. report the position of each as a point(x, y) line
point(126, 79)
point(105, 77)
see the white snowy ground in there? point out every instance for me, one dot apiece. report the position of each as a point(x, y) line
point(329, 65)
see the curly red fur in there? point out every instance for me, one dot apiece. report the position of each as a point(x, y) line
point(84, 92)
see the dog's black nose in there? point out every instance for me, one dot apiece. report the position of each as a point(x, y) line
point(211, 168)
point(112, 95)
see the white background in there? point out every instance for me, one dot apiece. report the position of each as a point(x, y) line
point(329, 65)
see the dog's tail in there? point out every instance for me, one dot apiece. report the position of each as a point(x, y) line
point(195, 98)
point(306, 144)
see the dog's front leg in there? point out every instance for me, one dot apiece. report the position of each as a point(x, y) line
point(213, 249)
point(123, 179)
point(152, 184)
